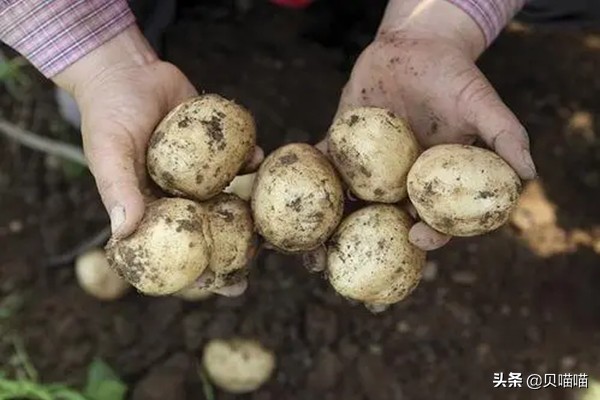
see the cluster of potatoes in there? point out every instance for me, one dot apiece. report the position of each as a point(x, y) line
point(458, 190)
point(193, 155)
point(210, 220)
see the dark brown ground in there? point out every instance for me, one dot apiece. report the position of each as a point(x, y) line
point(493, 306)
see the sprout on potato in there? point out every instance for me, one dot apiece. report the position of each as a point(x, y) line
point(373, 150)
point(169, 250)
point(238, 365)
point(463, 190)
point(297, 200)
point(200, 146)
point(97, 278)
point(370, 258)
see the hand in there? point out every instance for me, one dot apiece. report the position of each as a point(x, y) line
point(123, 90)
point(428, 75)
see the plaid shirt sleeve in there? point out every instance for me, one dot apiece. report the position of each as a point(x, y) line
point(490, 15)
point(53, 34)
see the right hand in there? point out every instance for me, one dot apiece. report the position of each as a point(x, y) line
point(430, 78)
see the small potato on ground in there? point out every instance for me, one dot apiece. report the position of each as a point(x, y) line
point(370, 258)
point(169, 250)
point(373, 149)
point(200, 146)
point(463, 190)
point(238, 365)
point(298, 199)
point(97, 278)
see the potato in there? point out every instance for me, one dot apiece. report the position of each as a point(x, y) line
point(168, 251)
point(370, 259)
point(297, 200)
point(97, 278)
point(233, 238)
point(193, 293)
point(238, 365)
point(373, 150)
point(200, 146)
point(463, 190)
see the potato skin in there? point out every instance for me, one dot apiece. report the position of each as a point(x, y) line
point(168, 251)
point(238, 365)
point(200, 146)
point(297, 201)
point(373, 150)
point(370, 259)
point(463, 190)
point(233, 238)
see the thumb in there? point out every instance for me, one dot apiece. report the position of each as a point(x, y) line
point(113, 167)
point(498, 127)
point(427, 238)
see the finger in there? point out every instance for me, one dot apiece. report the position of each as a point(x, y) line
point(376, 308)
point(268, 246)
point(315, 260)
point(427, 238)
point(254, 161)
point(206, 279)
point(237, 289)
point(113, 167)
point(499, 127)
point(322, 146)
point(411, 210)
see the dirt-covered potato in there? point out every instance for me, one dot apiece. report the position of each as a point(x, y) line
point(463, 190)
point(297, 200)
point(200, 146)
point(370, 259)
point(97, 278)
point(373, 150)
point(168, 251)
point(233, 238)
point(238, 365)
point(193, 293)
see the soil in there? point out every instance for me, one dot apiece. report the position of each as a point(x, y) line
point(488, 304)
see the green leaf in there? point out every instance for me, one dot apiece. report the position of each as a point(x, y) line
point(103, 383)
point(207, 388)
point(20, 390)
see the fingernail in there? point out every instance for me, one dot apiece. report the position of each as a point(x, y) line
point(531, 173)
point(117, 218)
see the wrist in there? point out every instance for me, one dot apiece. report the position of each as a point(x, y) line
point(434, 20)
point(128, 49)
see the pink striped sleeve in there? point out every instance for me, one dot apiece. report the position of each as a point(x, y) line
point(53, 34)
point(490, 15)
